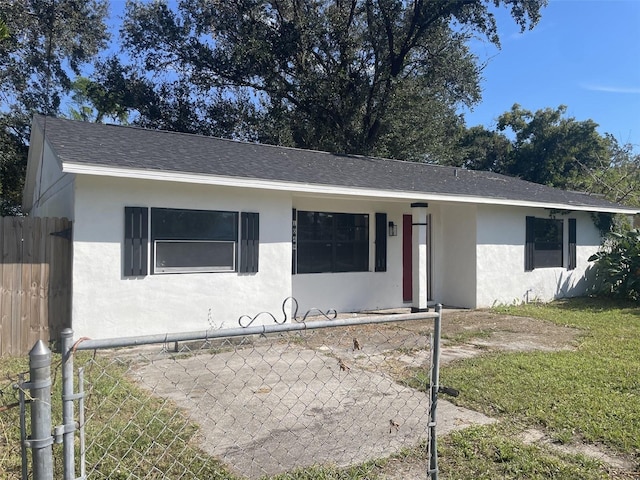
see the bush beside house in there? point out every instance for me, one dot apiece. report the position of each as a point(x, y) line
point(617, 266)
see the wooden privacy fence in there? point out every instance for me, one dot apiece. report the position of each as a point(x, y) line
point(35, 271)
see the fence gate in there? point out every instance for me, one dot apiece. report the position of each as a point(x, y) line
point(325, 395)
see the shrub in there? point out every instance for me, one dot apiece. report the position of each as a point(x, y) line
point(617, 266)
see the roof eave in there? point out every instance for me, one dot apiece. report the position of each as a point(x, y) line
point(312, 188)
point(36, 151)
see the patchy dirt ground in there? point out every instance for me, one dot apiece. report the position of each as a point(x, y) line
point(466, 333)
point(507, 331)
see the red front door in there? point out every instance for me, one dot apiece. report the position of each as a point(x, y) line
point(407, 259)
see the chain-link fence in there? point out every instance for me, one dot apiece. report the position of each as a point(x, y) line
point(10, 445)
point(304, 401)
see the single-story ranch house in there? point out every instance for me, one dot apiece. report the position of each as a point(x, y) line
point(175, 232)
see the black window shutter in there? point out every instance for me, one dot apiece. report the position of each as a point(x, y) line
point(381, 242)
point(249, 241)
point(136, 240)
point(572, 243)
point(529, 246)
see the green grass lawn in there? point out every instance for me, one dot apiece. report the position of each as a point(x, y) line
point(590, 394)
point(130, 433)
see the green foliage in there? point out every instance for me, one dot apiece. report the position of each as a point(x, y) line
point(13, 161)
point(352, 77)
point(92, 102)
point(604, 222)
point(617, 266)
point(419, 125)
point(616, 175)
point(555, 150)
point(549, 148)
point(47, 41)
point(4, 30)
point(481, 149)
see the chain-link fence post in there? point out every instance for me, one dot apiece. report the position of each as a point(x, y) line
point(435, 381)
point(41, 441)
point(68, 397)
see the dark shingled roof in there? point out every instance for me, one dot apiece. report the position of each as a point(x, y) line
point(122, 147)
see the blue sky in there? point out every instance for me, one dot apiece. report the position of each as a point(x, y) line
point(584, 54)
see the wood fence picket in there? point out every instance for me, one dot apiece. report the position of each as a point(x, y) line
point(35, 275)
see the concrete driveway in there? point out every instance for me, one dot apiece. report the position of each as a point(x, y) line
point(281, 404)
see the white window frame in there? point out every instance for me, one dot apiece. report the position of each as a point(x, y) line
point(202, 269)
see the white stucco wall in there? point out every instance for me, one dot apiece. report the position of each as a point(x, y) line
point(456, 254)
point(501, 277)
point(107, 304)
point(355, 291)
point(477, 260)
point(53, 190)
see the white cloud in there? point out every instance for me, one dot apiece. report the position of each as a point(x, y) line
point(610, 89)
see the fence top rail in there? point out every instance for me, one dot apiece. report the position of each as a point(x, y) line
point(89, 344)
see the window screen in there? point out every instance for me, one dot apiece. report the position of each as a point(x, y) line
point(193, 240)
point(332, 242)
point(544, 241)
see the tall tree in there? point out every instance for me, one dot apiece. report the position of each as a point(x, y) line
point(550, 148)
point(616, 175)
point(481, 149)
point(354, 76)
point(47, 42)
point(109, 96)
